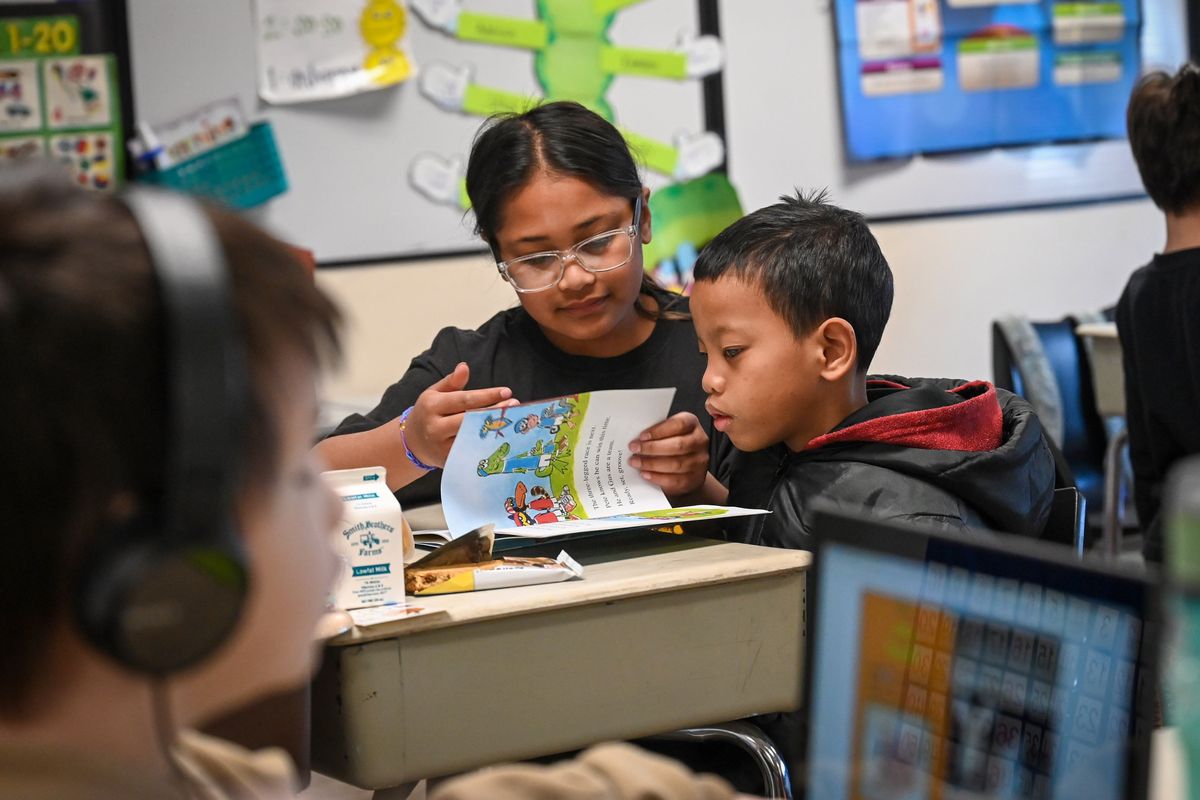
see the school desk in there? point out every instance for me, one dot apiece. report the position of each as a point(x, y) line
point(663, 632)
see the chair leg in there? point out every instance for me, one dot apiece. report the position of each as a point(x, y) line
point(750, 738)
point(1113, 510)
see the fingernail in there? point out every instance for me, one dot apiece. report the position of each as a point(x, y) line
point(645, 437)
point(505, 391)
point(646, 475)
point(635, 447)
point(635, 462)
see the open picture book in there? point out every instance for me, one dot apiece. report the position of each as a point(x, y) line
point(559, 467)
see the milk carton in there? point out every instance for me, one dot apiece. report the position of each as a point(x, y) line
point(373, 541)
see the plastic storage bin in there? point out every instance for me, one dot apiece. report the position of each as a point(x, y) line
point(241, 174)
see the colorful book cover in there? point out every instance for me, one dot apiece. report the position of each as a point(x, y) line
point(559, 466)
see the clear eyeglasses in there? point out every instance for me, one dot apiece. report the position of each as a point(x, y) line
point(600, 253)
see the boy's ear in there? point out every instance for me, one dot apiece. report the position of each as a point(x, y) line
point(839, 348)
point(646, 227)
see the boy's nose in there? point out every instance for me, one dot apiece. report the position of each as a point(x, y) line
point(711, 382)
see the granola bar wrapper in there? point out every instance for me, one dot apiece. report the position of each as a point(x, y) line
point(496, 574)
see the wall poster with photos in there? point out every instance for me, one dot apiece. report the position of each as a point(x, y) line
point(62, 95)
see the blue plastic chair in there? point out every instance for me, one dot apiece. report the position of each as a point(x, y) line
point(1084, 436)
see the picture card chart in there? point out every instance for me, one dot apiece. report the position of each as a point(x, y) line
point(20, 98)
point(57, 101)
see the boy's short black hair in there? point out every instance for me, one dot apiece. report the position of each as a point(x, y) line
point(812, 261)
point(1164, 133)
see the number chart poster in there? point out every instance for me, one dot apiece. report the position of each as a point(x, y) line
point(923, 76)
point(58, 102)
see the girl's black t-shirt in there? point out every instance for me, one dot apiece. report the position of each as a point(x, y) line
point(511, 350)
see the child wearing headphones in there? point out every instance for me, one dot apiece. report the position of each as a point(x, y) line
point(96, 701)
point(91, 704)
point(556, 194)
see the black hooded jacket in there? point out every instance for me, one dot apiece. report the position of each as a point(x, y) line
point(950, 454)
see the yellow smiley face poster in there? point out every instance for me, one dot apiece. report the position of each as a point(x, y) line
point(321, 49)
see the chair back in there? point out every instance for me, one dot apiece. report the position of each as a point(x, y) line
point(1068, 518)
point(1083, 437)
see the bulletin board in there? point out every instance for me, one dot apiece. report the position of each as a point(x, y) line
point(377, 176)
point(64, 87)
point(929, 76)
point(787, 127)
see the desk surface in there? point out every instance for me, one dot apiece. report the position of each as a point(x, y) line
point(1098, 330)
point(619, 565)
point(663, 632)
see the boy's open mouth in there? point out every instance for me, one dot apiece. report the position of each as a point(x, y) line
point(720, 419)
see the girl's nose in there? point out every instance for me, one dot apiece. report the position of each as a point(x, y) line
point(575, 277)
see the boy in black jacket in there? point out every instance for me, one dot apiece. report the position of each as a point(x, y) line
point(790, 303)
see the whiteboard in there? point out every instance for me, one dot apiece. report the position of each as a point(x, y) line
point(347, 160)
point(784, 129)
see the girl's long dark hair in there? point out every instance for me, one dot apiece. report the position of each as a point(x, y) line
point(564, 138)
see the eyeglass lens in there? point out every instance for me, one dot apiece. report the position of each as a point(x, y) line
point(604, 252)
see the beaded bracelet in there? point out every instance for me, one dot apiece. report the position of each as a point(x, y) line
point(411, 456)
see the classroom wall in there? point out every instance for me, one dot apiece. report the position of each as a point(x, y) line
point(953, 276)
point(393, 311)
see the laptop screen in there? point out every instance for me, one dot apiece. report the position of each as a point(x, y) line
point(953, 668)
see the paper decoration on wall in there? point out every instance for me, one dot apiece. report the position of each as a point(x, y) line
point(574, 59)
point(89, 157)
point(21, 148)
point(20, 98)
point(321, 49)
point(78, 92)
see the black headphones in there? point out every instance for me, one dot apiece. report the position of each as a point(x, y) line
point(165, 588)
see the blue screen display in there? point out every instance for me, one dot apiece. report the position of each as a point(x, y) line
point(923, 76)
point(931, 680)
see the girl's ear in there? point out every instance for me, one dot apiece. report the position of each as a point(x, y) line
point(839, 348)
point(646, 215)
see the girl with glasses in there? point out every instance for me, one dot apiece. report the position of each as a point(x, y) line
point(558, 199)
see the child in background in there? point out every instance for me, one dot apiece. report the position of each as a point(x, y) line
point(1157, 317)
point(790, 303)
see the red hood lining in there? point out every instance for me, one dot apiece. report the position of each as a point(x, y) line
point(975, 424)
point(880, 383)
